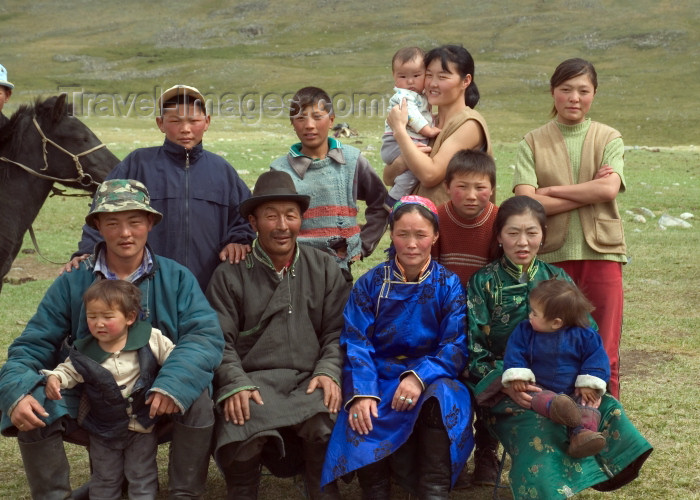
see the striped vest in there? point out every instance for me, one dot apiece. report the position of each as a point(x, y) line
point(332, 212)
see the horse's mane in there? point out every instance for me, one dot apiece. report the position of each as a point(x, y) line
point(13, 131)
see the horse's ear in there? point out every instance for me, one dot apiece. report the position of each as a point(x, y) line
point(59, 107)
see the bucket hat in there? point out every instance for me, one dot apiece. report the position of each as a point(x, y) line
point(121, 195)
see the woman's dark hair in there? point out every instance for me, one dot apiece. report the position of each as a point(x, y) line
point(120, 294)
point(308, 96)
point(464, 64)
point(517, 205)
point(561, 299)
point(413, 207)
point(571, 68)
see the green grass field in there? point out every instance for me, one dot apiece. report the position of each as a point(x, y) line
point(660, 345)
point(646, 54)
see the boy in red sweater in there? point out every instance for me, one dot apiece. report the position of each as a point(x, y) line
point(466, 226)
point(466, 221)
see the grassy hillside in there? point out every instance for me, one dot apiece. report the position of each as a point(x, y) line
point(646, 52)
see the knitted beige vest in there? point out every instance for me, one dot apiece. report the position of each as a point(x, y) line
point(602, 226)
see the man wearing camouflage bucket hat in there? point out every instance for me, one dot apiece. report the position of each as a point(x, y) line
point(119, 196)
point(172, 302)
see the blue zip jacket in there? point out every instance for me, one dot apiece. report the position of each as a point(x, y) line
point(198, 194)
point(172, 302)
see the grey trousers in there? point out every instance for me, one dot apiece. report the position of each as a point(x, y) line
point(114, 459)
point(199, 415)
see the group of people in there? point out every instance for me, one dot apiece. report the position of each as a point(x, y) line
point(254, 345)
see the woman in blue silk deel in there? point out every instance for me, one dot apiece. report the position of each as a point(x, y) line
point(405, 341)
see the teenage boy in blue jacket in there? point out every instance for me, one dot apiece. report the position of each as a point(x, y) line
point(172, 301)
point(198, 192)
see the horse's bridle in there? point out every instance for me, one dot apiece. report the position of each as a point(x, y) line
point(83, 179)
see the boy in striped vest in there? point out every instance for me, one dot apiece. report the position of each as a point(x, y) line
point(335, 176)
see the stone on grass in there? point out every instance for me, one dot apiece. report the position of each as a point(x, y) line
point(669, 221)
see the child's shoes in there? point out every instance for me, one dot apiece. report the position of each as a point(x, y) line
point(564, 410)
point(585, 444)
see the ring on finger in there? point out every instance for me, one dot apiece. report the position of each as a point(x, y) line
point(354, 415)
point(409, 401)
point(403, 398)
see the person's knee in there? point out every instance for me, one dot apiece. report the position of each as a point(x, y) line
point(430, 414)
point(250, 450)
point(316, 429)
point(200, 413)
point(64, 426)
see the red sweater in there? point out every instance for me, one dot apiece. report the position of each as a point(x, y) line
point(463, 245)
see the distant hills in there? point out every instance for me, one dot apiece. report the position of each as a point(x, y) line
point(646, 52)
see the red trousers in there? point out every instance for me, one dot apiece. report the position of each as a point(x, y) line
point(601, 282)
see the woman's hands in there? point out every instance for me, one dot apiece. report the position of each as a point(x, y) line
point(361, 413)
point(522, 398)
point(407, 393)
point(397, 118)
point(363, 410)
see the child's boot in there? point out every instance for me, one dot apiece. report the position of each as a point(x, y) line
point(585, 440)
point(559, 408)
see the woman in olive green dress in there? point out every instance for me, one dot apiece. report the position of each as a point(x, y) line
point(497, 302)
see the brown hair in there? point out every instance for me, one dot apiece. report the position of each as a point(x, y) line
point(308, 96)
point(469, 161)
point(516, 205)
point(120, 294)
point(407, 54)
point(562, 299)
point(571, 68)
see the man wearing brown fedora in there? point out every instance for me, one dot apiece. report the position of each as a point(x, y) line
point(281, 310)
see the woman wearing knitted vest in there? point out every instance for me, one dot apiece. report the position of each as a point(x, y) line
point(449, 84)
point(573, 166)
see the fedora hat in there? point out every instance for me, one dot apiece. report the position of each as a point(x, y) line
point(273, 186)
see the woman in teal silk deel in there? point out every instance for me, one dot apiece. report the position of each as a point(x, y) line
point(497, 301)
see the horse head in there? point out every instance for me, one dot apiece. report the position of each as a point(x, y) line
point(57, 146)
point(41, 144)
